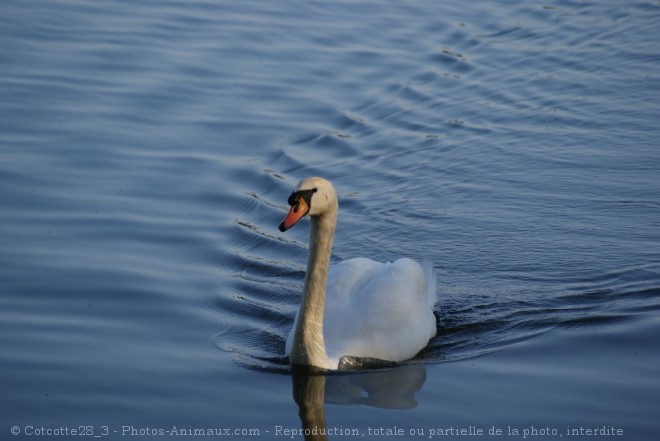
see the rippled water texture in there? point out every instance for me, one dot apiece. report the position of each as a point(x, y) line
point(147, 152)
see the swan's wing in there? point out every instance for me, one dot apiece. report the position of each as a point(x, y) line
point(345, 276)
point(386, 314)
point(392, 295)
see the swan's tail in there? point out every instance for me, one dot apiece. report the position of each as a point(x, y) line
point(429, 274)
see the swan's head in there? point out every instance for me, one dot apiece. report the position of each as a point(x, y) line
point(313, 196)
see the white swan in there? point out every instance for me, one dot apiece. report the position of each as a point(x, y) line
point(370, 309)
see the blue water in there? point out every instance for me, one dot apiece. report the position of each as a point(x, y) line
point(146, 153)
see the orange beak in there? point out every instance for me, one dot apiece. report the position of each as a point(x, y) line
point(296, 213)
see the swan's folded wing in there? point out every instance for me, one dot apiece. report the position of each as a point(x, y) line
point(344, 277)
point(386, 315)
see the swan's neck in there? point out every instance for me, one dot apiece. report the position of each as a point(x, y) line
point(308, 347)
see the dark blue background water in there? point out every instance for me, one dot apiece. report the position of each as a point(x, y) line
point(147, 150)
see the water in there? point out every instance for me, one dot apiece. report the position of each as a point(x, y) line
point(147, 151)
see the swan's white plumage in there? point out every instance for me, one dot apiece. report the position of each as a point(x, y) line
point(375, 310)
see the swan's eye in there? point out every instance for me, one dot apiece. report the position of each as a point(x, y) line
point(305, 196)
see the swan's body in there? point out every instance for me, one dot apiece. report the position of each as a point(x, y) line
point(359, 308)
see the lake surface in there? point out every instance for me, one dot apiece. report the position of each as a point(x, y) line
point(147, 151)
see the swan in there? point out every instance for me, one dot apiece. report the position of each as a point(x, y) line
point(359, 308)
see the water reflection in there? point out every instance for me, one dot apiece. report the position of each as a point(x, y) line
point(309, 394)
point(390, 389)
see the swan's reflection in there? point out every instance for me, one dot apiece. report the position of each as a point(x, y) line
point(391, 389)
point(309, 393)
